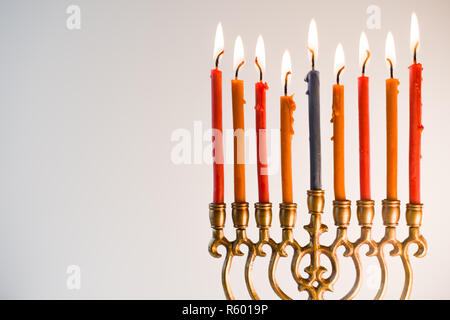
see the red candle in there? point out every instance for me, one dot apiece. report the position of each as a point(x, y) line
point(260, 110)
point(415, 116)
point(364, 123)
point(216, 110)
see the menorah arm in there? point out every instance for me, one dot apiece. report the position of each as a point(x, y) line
point(288, 216)
point(390, 215)
point(263, 217)
point(365, 213)
point(341, 215)
point(414, 221)
point(315, 284)
point(272, 275)
point(217, 215)
point(249, 272)
point(341, 240)
point(364, 239)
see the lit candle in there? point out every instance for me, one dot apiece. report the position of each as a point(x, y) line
point(338, 127)
point(391, 120)
point(312, 78)
point(415, 115)
point(237, 92)
point(287, 107)
point(216, 110)
point(260, 111)
point(364, 123)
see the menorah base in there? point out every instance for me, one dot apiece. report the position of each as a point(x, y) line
point(315, 284)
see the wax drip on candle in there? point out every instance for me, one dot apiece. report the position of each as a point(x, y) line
point(292, 107)
point(258, 107)
point(335, 113)
point(419, 109)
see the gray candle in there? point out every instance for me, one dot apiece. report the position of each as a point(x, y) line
point(313, 93)
point(314, 129)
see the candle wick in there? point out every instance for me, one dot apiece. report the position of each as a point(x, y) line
point(391, 68)
point(286, 82)
point(217, 59)
point(339, 74)
point(260, 70)
point(365, 62)
point(237, 69)
point(312, 58)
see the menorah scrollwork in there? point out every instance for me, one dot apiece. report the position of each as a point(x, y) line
point(316, 283)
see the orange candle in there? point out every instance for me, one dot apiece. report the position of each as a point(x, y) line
point(391, 121)
point(237, 91)
point(287, 107)
point(338, 128)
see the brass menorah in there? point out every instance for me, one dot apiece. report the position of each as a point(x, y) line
point(315, 284)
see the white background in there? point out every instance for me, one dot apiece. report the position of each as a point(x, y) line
point(86, 119)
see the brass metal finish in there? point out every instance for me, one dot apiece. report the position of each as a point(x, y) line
point(288, 215)
point(315, 283)
point(414, 221)
point(240, 214)
point(316, 200)
point(341, 212)
point(263, 215)
point(365, 212)
point(217, 215)
point(414, 215)
point(391, 212)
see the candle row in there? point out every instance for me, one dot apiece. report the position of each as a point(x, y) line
point(287, 107)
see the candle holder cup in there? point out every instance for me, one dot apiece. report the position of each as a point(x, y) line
point(315, 283)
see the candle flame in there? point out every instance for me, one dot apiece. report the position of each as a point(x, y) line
point(313, 41)
point(260, 54)
point(364, 50)
point(218, 42)
point(415, 35)
point(286, 67)
point(339, 59)
point(238, 53)
point(390, 50)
